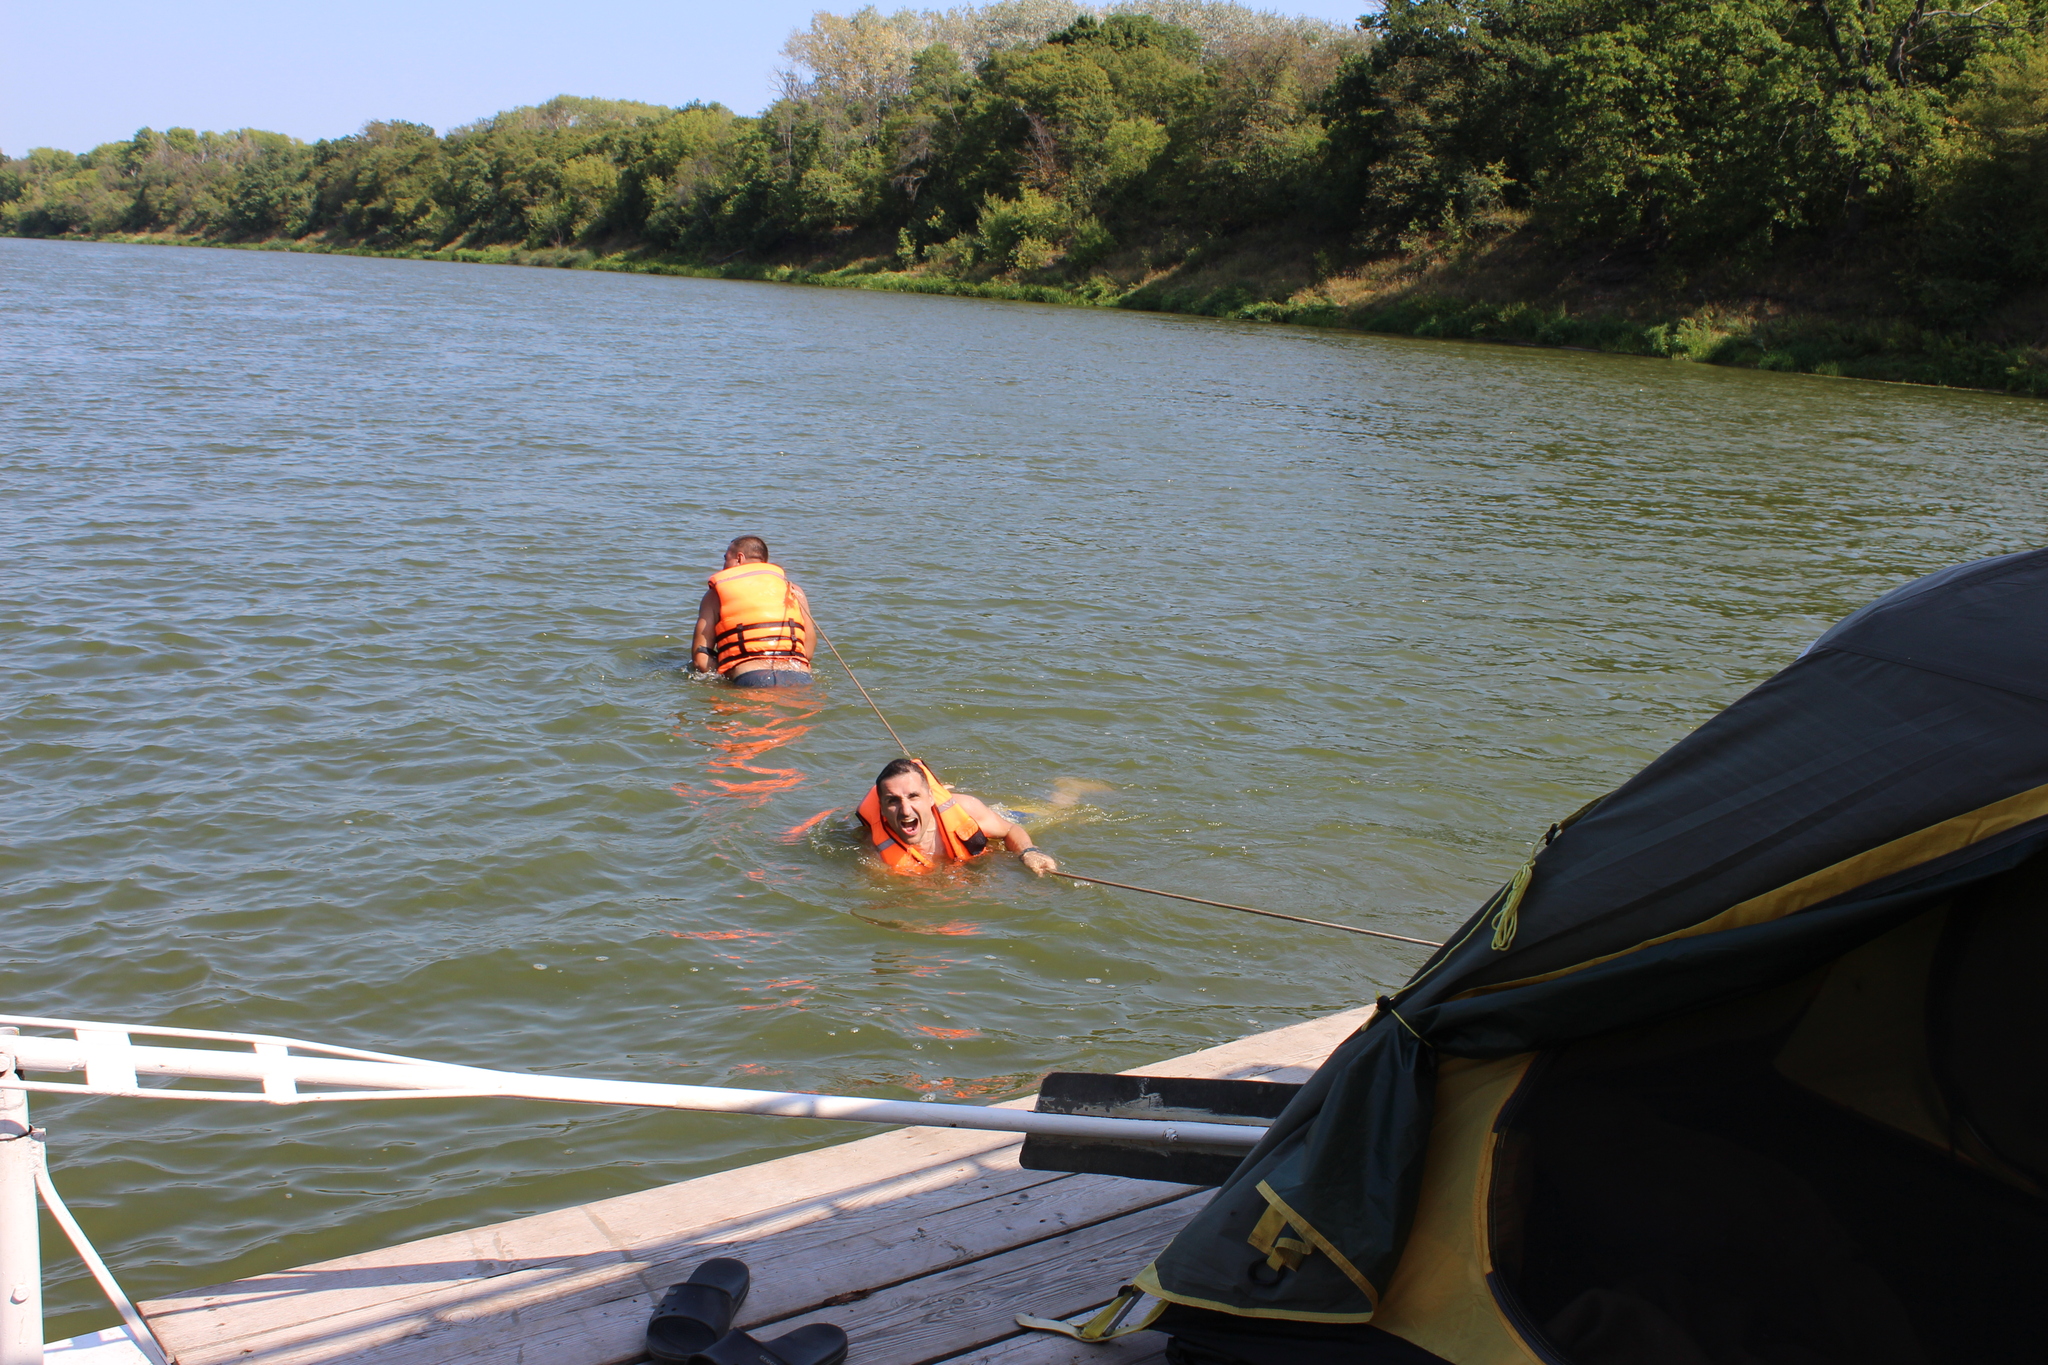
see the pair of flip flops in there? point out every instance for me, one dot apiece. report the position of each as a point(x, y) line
point(692, 1325)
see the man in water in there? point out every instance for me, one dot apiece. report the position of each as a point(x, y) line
point(754, 625)
point(915, 824)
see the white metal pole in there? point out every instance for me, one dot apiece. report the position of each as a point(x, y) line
point(21, 1260)
point(113, 1066)
point(138, 1329)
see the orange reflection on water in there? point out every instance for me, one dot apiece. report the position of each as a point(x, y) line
point(952, 928)
point(962, 1088)
point(777, 874)
point(906, 964)
point(794, 1001)
point(744, 725)
point(795, 832)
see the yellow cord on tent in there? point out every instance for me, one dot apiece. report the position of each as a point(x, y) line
point(1508, 918)
point(1249, 910)
point(864, 693)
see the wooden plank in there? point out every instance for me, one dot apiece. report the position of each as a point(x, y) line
point(750, 1201)
point(820, 1261)
point(935, 1316)
point(576, 1285)
point(575, 1257)
point(971, 1307)
point(566, 1266)
point(1044, 1348)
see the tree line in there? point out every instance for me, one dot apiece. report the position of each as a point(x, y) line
point(1043, 140)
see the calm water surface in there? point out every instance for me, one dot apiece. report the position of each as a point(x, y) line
point(339, 698)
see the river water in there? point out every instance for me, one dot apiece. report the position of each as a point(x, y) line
point(344, 600)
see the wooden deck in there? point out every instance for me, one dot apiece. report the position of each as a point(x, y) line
point(923, 1243)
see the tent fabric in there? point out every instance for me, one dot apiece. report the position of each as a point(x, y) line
point(1900, 761)
point(1989, 1031)
point(1781, 1178)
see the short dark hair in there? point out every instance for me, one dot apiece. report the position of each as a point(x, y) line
point(750, 549)
point(896, 767)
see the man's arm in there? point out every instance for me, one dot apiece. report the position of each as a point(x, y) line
point(1015, 837)
point(707, 627)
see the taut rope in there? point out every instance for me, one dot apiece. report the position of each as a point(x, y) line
point(1123, 886)
point(864, 692)
point(1249, 910)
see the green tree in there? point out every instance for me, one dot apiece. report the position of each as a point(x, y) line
point(377, 186)
point(1696, 125)
point(1985, 227)
point(272, 194)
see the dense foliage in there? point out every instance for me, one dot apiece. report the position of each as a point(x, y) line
point(1701, 127)
point(1038, 138)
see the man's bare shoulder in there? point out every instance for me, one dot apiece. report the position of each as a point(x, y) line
point(991, 821)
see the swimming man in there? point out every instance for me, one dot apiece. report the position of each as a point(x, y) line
point(915, 824)
point(754, 625)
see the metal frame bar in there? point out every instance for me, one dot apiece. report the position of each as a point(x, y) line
point(145, 1339)
point(21, 1252)
point(114, 1065)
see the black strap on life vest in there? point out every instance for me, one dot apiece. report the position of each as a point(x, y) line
point(780, 633)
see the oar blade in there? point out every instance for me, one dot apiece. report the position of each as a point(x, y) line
point(1160, 1098)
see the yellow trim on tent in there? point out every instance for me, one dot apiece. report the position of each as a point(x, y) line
point(1439, 1298)
point(1149, 1282)
point(1275, 1204)
point(1906, 851)
point(1267, 1237)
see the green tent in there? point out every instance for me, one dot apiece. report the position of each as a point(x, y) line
point(1747, 1067)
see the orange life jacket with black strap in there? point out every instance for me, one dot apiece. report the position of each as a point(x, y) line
point(759, 617)
point(959, 833)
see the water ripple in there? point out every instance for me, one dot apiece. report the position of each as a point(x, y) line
point(339, 693)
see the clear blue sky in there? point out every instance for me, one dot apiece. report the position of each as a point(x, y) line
point(83, 72)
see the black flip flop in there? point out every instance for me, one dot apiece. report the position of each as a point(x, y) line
point(820, 1343)
point(699, 1311)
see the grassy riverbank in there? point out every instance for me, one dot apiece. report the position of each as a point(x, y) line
point(1811, 321)
point(1856, 190)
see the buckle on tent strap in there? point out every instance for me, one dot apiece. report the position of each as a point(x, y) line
point(1281, 1252)
point(1106, 1325)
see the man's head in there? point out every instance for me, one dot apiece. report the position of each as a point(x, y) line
point(746, 550)
point(906, 800)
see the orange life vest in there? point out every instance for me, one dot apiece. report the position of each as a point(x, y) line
point(959, 833)
point(759, 617)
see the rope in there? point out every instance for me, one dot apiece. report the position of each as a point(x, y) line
point(864, 692)
point(1249, 910)
point(1508, 917)
point(1099, 881)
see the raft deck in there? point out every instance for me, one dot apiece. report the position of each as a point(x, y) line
point(923, 1243)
